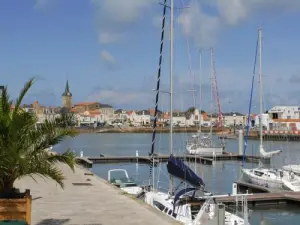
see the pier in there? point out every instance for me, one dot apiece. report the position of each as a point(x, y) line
point(86, 199)
point(88, 161)
point(279, 198)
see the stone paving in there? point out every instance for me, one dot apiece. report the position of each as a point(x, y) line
point(99, 203)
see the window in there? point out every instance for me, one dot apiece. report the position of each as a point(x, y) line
point(159, 205)
point(258, 173)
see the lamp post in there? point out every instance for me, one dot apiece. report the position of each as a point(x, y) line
point(234, 123)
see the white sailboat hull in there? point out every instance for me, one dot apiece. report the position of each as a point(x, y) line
point(264, 181)
point(163, 203)
point(292, 168)
point(205, 151)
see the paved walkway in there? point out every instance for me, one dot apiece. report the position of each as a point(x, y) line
point(97, 204)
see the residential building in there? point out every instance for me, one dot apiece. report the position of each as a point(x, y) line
point(67, 97)
point(229, 119)
point(106, 110)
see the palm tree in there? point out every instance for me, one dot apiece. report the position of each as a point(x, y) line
point(23, 144)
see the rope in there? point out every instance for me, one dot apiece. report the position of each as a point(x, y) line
point(157, 89)
point(250, 105)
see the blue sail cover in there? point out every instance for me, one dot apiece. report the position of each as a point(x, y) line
point(177, 168)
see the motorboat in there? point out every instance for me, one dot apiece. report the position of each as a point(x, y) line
point(124, 182)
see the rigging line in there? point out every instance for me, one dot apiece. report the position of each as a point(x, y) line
point(190, 63)
point(250, 104)
point(157, 87)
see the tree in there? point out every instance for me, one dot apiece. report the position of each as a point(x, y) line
point(23, 144)
point(191, 110)
point(66, 120)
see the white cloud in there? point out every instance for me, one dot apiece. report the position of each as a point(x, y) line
point(123, 98)
point(203, 27)
point(105, 55)
point(113, 15)
point(108, 60)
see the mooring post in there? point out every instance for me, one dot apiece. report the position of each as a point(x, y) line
point(241, 142)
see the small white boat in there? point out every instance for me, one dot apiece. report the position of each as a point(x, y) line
point(203, 145)
point(291, 182)
point(292, 168)
point(124, 182)
point(269, 178)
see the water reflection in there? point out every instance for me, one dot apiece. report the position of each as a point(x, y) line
point(218, 177)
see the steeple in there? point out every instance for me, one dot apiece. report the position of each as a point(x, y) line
point(67, 90)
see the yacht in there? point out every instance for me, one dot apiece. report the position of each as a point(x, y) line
point(269, 178)
point(201, 144)
point(192, 205)
point(292, 168)
point(291, 182)
point(124, 182)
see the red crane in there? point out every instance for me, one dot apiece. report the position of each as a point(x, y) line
point(216, 94)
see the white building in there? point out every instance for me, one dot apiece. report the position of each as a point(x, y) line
point(141, 118)
point(284, 118)
point(89, 118)
point(285, 112)
point(265, 120)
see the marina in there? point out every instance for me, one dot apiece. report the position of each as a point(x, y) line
point(89, 161)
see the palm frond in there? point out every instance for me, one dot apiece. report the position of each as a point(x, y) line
point(22, 94)
point(68, 158)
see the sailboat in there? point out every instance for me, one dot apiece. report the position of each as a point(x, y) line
point(201, 144)
point(190, 205)
point(268, 177)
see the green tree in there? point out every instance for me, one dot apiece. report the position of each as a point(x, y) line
point(66, 120)
point(23, 144)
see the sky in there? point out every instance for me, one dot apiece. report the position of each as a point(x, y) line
point(109, 51)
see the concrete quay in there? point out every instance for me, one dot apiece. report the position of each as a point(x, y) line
point(86, 199)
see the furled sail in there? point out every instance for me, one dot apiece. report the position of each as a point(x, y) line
point(179, 169)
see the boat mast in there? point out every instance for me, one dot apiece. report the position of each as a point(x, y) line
point(200, 88)
point(211, 88)
point(260, 87)
point(171, 186)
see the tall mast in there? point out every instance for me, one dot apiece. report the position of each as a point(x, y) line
point(211, 88)
point(260, 86)
point(171, 187)
point(200, 83)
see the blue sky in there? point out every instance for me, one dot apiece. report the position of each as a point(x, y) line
point(108, 50)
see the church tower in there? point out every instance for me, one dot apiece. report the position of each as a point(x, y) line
point(67, 97)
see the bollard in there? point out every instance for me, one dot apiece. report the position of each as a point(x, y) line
point(81, 154)
point(241, 142)
point(234, 189)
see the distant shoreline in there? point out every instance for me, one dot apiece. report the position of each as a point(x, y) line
point(150, 130)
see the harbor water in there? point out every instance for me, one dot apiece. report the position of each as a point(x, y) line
point(218, 177)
